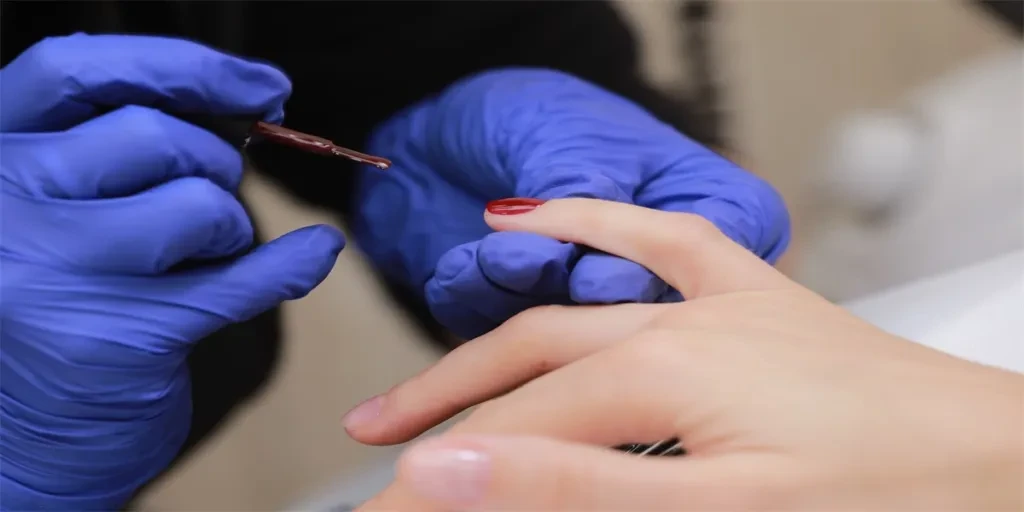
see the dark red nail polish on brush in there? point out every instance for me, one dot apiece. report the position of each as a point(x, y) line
point(513, 205)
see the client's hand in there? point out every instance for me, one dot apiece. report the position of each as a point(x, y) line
point(783, 400)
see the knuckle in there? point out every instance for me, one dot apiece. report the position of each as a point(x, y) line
point(588, 217)
point(652, 349)
point(204, 198)
point(675, 237)
point(146, 124)
point(147, 129)
point(50, 55)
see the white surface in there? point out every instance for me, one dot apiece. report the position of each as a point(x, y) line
point(976, 313)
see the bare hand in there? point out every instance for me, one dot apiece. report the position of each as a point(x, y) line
point(783, 400)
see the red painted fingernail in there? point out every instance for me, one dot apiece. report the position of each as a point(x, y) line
point(513, 205)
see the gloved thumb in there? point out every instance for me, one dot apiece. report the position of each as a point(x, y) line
point(285, 269)
point(532, 473)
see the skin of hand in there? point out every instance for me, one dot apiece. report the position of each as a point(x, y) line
point(783, 400)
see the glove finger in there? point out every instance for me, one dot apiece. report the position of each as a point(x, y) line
point(601, 278)
point(62, 81)
point(189, 218)
point(742, 205)
point(526, 263)
point(118, 154)
point(284, 269)
point(462, 298)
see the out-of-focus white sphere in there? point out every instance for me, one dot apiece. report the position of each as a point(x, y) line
point(931, 186)
point(876, 158)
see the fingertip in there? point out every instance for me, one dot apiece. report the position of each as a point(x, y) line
point(387, 419)
point(279, 88)
point(451, 290)
point(330, 237)
point(273, 76)
point(312, 249)
point(290, 267)
point(286, 268)
point(453, 264)
point(360, 422)
point(321, 243)
point(600, 278)
point(275, 117)
point(258, 85)
point(455, 471)
point(181, 74)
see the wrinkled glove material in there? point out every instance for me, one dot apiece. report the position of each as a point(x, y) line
point(542, 134)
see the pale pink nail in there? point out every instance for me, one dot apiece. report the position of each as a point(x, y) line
point(456, 475)
point(363, 413)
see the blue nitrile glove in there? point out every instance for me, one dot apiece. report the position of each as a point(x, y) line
point(97, 213)
point(540, 134)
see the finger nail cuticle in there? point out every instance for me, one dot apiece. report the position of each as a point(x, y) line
point(513, 205)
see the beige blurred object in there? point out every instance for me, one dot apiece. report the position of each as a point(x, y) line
point(795, 67)
point(791, 68)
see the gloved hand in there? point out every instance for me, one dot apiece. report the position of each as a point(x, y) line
point(538, 134)
point(97, 213)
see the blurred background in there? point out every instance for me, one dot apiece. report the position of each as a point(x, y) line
point(892, 128)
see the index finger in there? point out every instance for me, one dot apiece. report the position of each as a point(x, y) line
point(527, 346)
point(62, 81)
point(685, 250)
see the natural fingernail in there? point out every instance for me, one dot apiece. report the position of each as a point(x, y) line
point(363, 413)
point(454, 474)
point(513, 205)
